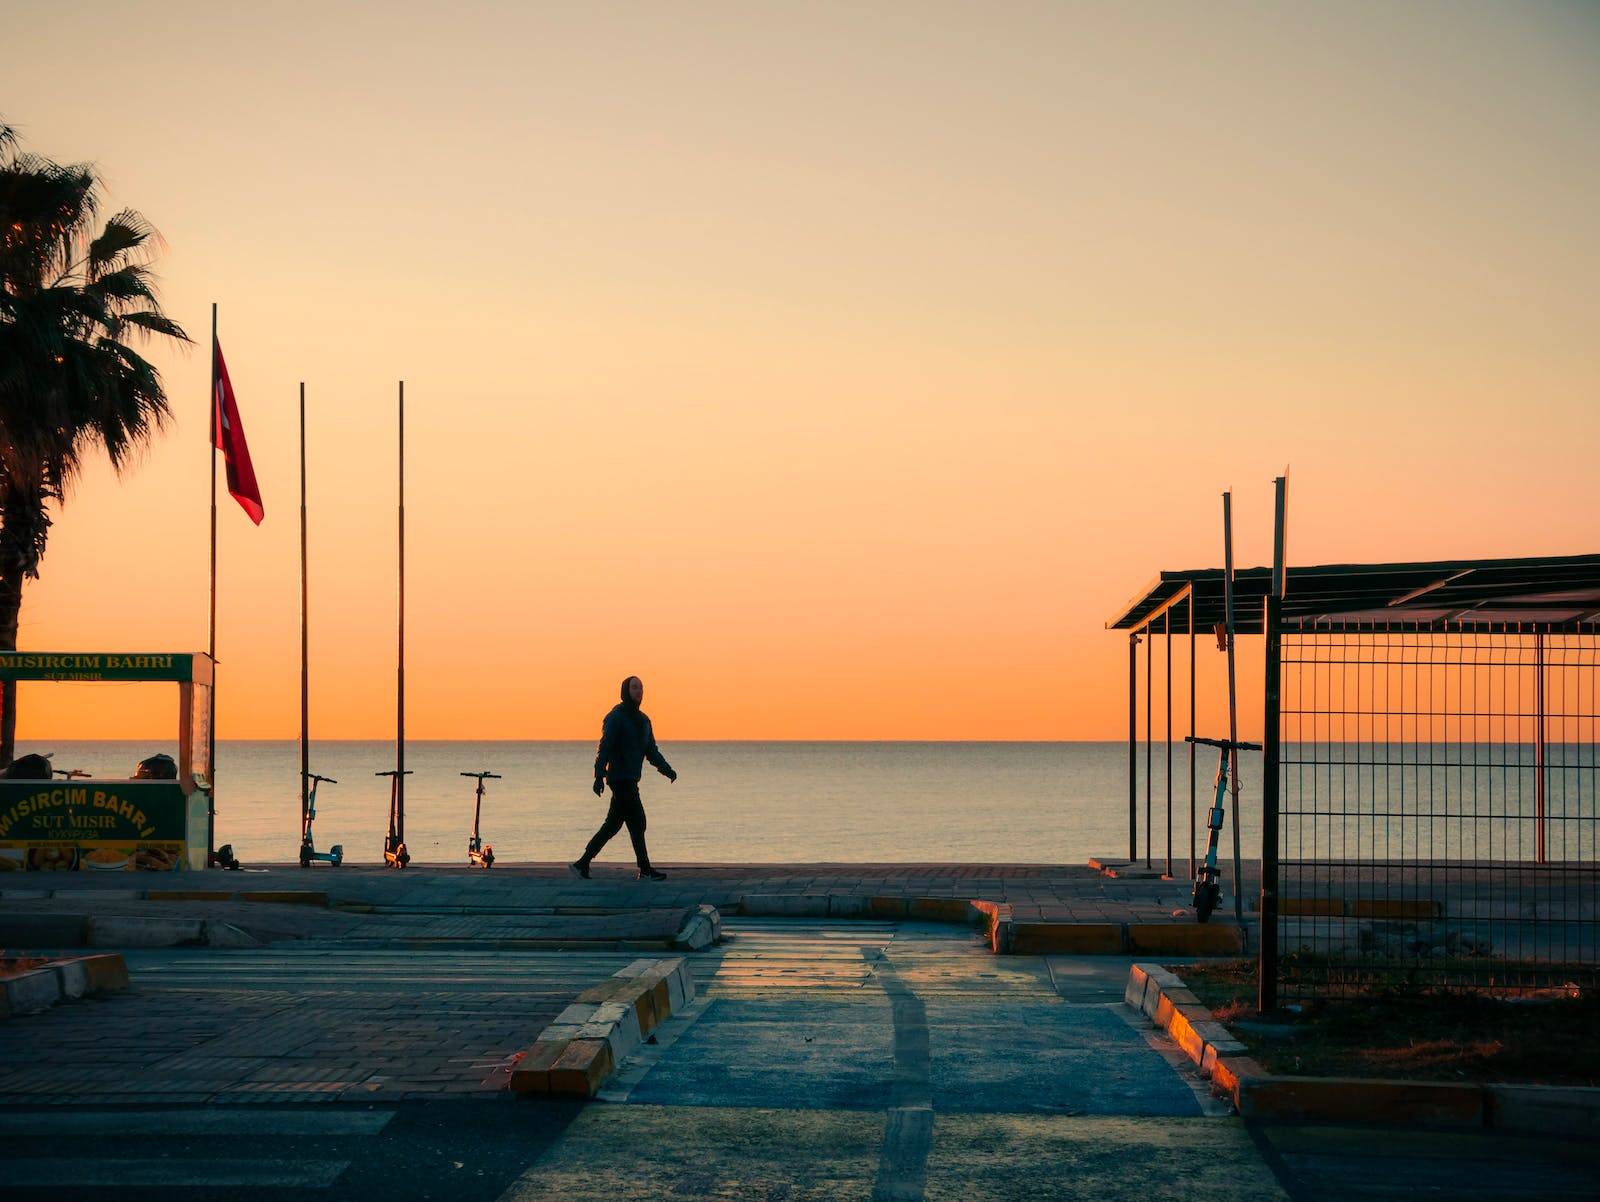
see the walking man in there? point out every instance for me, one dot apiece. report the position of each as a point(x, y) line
point(626, 742)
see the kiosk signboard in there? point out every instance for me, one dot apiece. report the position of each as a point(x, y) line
point(93, 825)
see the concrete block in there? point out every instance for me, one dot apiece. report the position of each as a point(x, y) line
point(578, 1012)
point(112, 930)
point(938, 909)
point(560, 1032)
point(1066, 938)
point(287, 897)
point(206, 895)
point(1311, 907)
point(31, 992)
point(783, 905)
point(531, 1074)
point(72, 977)
point(43, 930)
point(695, 932)
point(852, 905)
point(1351, 1100)
point(582, 1067)
point(634, 969)
point(104, 973)
point(611, 989)
point(1405, 908)
point(225, 934)
point(1133, 992)
point(1545, 1109)
point(685, 981)
point(1152, 998)
point(887, 907)
point(1185, 939)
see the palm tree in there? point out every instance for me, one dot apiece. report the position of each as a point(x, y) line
point(73, 304)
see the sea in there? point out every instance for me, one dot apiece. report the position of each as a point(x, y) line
point(861, 802)
point(733, 802)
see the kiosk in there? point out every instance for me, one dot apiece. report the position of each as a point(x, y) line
point(121, 824)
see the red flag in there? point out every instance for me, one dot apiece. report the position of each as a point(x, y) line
point(227, 434)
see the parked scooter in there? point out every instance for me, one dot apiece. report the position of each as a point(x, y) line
point(478, 854)
point(334, 856)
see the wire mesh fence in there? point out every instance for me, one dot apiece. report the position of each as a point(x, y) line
point(1438, 824)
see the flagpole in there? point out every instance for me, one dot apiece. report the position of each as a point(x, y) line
point(305, 658)
point(211, 625)
point(400, 691)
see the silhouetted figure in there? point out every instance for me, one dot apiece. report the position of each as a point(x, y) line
point(626, 742)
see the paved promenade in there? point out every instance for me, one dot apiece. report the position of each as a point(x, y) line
point(1052, 893)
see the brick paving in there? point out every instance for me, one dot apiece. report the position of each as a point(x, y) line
point(304, 1026)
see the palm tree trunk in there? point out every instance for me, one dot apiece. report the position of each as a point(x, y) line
point(10, 609)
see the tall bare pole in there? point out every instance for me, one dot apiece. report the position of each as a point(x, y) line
point(1233, 704)
point(305, 644)
point(400, 678)
point(211, 621)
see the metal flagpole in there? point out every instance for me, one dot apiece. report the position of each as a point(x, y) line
point(400, 659)
point(394, 847)
point(305, 657)
point(211, 624)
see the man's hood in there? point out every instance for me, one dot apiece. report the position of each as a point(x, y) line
point(627, 698)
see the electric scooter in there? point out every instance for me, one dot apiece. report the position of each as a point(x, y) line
point(72, 773)
point(395, 854)
point(1208, 877)
point(334, 856)
point(478, 854)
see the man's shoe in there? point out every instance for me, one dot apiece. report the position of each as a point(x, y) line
point(652, 874)
point(579, 868)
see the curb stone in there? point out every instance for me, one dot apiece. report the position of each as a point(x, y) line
point(50, 983)
point(1161, 996)
point(575, 1054)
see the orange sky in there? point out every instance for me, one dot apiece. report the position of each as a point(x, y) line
point(838, 371)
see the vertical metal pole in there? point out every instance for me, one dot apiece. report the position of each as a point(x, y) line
point(305, 645)
point(1133, 747)
point(1539, 748)
point(1271, 754)
point(1149, 738)
point(1267, 983)
point(1191, 732)
point(1166, 631)
point(400, 677)
point(211, 622)
point(1233, 697)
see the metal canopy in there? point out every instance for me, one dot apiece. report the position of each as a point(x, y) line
point(1556, 591)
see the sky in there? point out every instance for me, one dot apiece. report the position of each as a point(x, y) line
point(839, 369)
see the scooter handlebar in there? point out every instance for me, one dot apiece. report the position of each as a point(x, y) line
point(482, 775)
point(321, 779)
point(1222, 743)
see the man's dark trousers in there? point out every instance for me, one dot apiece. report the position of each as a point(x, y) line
point(626, 810)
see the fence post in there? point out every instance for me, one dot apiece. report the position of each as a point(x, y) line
point(1539, 751)
point(1133, 746)
point(1267, 993)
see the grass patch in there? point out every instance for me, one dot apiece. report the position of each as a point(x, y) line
point(1548, 1040)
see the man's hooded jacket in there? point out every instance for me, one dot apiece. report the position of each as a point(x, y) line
point(626, 742)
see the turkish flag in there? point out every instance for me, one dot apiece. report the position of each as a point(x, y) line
point(227, 434)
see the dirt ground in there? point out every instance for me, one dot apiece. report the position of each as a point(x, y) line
point(1546, 1040)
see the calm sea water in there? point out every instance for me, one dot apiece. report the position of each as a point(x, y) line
point(741, 802)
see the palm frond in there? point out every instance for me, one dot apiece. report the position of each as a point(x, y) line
point(124, 232)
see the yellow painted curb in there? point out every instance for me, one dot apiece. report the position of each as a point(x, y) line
point(1184, 939)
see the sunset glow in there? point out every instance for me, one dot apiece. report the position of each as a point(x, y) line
point(837, 386)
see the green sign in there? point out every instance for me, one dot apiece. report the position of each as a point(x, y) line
point(100, 665)
point(92, 824)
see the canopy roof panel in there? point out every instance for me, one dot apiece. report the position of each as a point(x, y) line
point(1559, 591)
